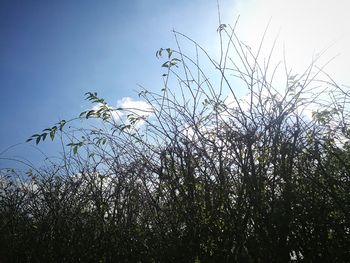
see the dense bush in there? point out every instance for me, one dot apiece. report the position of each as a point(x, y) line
point(203, 175)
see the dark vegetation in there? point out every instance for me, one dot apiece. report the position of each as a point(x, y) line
point(204, 175)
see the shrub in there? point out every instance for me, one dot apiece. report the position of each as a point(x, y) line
point(202, 174)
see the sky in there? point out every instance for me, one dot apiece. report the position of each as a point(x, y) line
point(52, 52)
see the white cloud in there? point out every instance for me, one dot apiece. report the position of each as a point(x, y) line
point(138, 108)
point(126, 107)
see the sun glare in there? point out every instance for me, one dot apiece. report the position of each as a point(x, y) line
point(304, 28)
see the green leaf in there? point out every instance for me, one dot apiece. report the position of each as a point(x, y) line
point(90, 113)
point(44, 136)
point(170, 52)
point(125, 127)
point(52, 134)
point(29, 172)
point(221, 27)
point(82, 114)
point(159, 53)
point(61, 124)
point(171, 63)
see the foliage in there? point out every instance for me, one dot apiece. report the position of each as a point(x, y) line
point(205, 175)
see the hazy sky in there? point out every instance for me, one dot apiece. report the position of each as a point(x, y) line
point(305, 27)
point(52, 52)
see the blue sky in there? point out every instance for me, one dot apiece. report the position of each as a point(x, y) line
point(52, 52)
